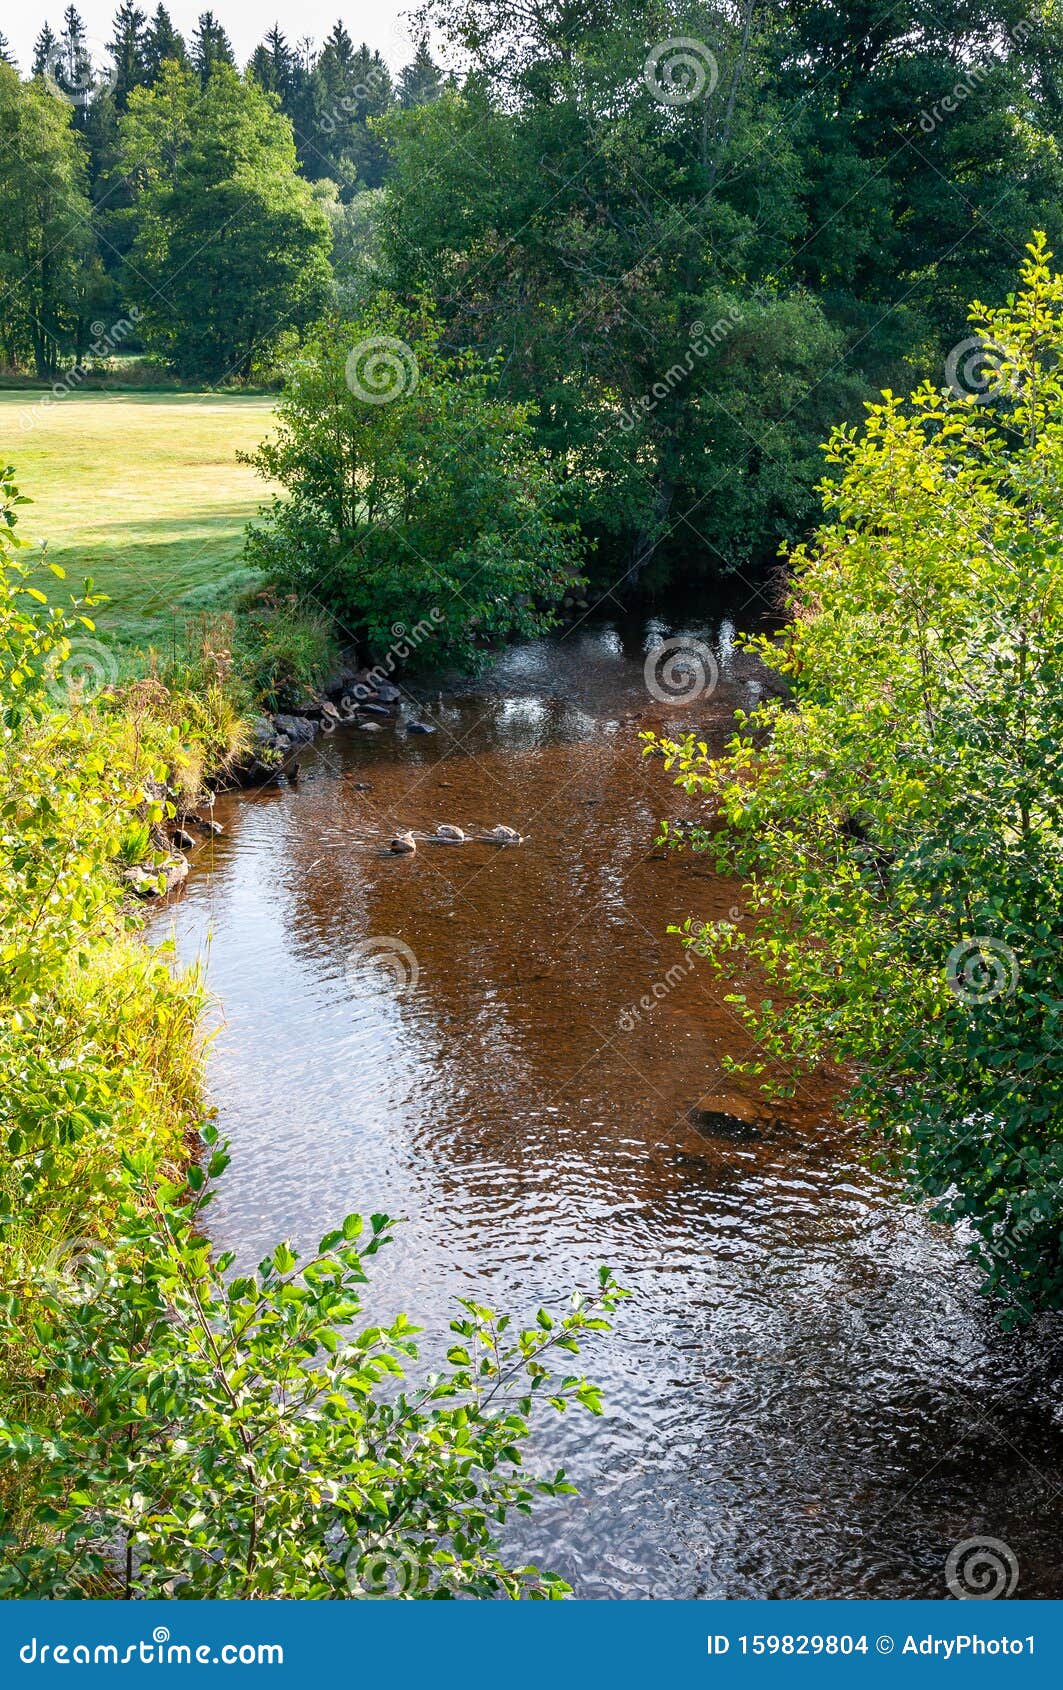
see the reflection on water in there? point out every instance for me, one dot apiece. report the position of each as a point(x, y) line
point(805, 1396)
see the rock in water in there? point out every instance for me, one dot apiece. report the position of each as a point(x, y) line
point(419, 728)
point(727, 1115)
point(403, 844)
point(448, 835)
point(502, 836)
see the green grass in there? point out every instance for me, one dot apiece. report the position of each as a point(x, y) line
point(142, 492)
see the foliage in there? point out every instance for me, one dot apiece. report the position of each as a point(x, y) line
point(900, 831)
point(75, 780)
point(50, 274)
point(429, 504)
point(283, 650)
point(241, 1435)
point(692, 281)
point(98, 1039)
point(230, 246)
point(587, 227)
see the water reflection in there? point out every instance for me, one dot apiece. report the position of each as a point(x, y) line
point(805, 1397)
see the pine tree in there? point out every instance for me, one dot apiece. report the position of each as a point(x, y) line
point(6, 54)
point(350, 85)
point(273, 64)
point(421, 80)
point(73, 68)
point(45, 49)
point(211, 47)
point(337, 56)
point(127, 50)
point(161, 42)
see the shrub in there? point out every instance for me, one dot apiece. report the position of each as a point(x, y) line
point(900, 831)
point(234, 1435)
point(411, 489)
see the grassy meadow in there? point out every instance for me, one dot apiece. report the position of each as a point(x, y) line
point(141, 491)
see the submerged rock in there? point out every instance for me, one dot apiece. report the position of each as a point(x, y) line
point(403, 845)
point(727, 1115)
point(419, 728)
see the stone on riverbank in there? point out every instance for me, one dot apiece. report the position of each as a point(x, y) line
point(156, 882)
point(300, 730)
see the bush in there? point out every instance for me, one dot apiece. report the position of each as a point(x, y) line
point(224, 1435)
point(900, 831)
point(414, 494)
point(98, 1039)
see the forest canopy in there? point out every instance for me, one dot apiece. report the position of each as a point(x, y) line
point(692, 260)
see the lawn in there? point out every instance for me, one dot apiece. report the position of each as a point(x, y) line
point(141, 491)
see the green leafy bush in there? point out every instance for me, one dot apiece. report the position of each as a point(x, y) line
point(220, 1434)
point(414, 494)
point(900, 831)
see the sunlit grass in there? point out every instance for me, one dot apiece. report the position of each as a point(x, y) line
point(143, 492)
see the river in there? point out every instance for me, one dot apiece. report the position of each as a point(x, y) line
point(805, 1395)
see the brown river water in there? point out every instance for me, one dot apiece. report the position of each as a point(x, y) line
point(805, 1396)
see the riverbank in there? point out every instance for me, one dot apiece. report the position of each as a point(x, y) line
point(135, 1455)
point(108, 790)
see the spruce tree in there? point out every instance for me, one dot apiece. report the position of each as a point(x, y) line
point(127, 50)
point(211, 47)
point(421, 80)
point(45, 49)
point(161, 42)
point(273, 65)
